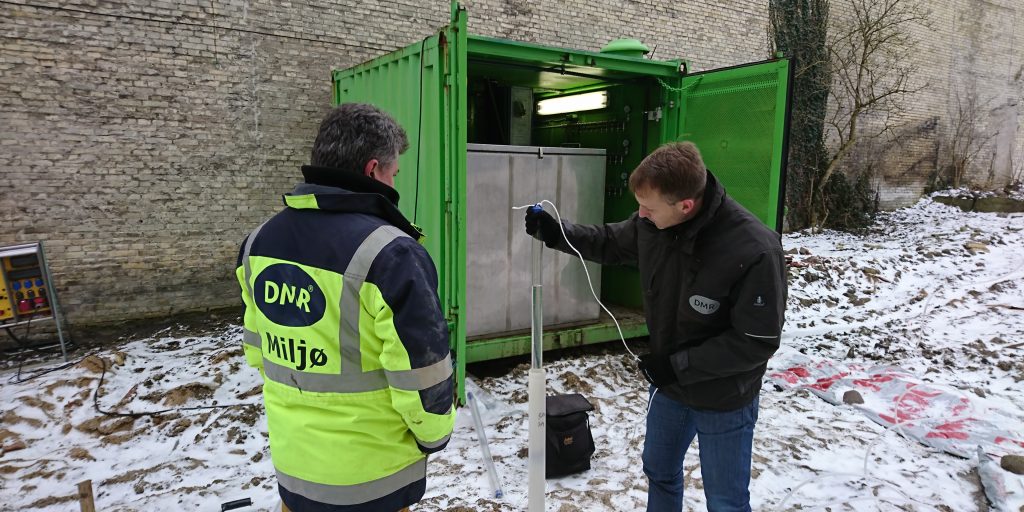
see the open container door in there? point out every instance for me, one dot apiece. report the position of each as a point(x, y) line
point(739, 117)
point(423, 87)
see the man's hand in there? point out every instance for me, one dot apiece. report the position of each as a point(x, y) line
point(542, 226)
point(657, 370)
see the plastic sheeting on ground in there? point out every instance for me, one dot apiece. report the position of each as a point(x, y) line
point(936, 416)
point(1004, 489)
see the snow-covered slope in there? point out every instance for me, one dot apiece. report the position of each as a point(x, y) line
point(931, 289)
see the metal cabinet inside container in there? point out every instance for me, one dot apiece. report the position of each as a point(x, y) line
point(498, 280)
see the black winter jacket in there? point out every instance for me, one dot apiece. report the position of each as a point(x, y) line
point(714, 290)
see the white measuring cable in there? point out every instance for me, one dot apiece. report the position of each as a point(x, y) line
point(583, 262)
point(587, 272)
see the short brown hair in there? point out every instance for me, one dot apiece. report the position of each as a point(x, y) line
point(675, 170)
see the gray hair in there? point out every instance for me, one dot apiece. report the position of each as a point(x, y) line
point(355, 133)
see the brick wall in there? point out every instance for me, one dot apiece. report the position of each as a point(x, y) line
point(968, 58)
point(141, 140)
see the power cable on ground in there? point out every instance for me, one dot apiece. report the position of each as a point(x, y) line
point(99, 385)
point(18, 380)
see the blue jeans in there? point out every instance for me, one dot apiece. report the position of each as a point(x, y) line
point(725, 439)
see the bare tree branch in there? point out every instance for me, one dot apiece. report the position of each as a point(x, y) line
point(870, 78)
point(966, 138)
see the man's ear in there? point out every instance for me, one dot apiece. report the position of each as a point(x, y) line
point(370, 167)
point(685, 206)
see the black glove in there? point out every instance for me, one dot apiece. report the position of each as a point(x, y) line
point(657, 369)
point(542, 226)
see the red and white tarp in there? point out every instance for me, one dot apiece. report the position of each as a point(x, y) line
point(1005, 490)
point(936, 416)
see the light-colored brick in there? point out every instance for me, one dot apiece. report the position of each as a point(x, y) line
point(141, 140)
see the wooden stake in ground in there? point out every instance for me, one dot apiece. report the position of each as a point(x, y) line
point(85, 496)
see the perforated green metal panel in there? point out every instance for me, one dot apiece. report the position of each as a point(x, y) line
point(737, 117)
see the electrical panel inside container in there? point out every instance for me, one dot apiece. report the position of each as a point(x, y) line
point(506, 106)
point(532, 104)
point(506, 112)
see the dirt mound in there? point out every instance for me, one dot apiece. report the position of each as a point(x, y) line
point(11, 418)
point(1013, 463)
point(104, 425)
point(14, 446)
point(573, 381)
point(79, 453)
point(80, 383)
point(225, 355)
point(53, 500)
point(6, 434)
point(95, 364)
point(182, 394)
point(255, 391)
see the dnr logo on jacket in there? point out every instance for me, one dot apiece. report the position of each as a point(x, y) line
point(288, 296)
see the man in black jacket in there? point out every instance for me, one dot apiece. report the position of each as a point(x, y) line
point(714, 287)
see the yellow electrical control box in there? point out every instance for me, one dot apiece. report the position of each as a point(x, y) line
point(6, 305)
point(27, 294)
point(24, 286)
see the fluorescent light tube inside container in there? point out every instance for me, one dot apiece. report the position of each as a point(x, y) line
point(574, 103)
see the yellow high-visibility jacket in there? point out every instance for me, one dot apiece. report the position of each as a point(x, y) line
point(343, 320)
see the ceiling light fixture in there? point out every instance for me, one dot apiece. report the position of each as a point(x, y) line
point(574, 103)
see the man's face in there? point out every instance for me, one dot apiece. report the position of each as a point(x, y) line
point(661, 211)
point(385, 175)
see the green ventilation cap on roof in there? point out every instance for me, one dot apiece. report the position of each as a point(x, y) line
point(626, 48)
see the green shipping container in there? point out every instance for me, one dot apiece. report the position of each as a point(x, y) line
point(457, 94)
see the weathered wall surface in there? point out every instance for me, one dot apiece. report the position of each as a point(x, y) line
point(970, 70)
point(141, 140)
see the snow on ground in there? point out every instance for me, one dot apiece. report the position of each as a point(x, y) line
point(934, 290)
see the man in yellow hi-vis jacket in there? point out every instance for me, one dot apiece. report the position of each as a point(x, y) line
point(343, 320)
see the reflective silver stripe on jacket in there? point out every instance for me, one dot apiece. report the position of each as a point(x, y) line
point(410, 380)
point(355, 275)
point(352, 378)
point(247, 273)
point(357, 493)
point(434, 444)
point(252, 338)
point(421, 378)
point(325, 382)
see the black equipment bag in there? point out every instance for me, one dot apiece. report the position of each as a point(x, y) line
point(569, 441)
